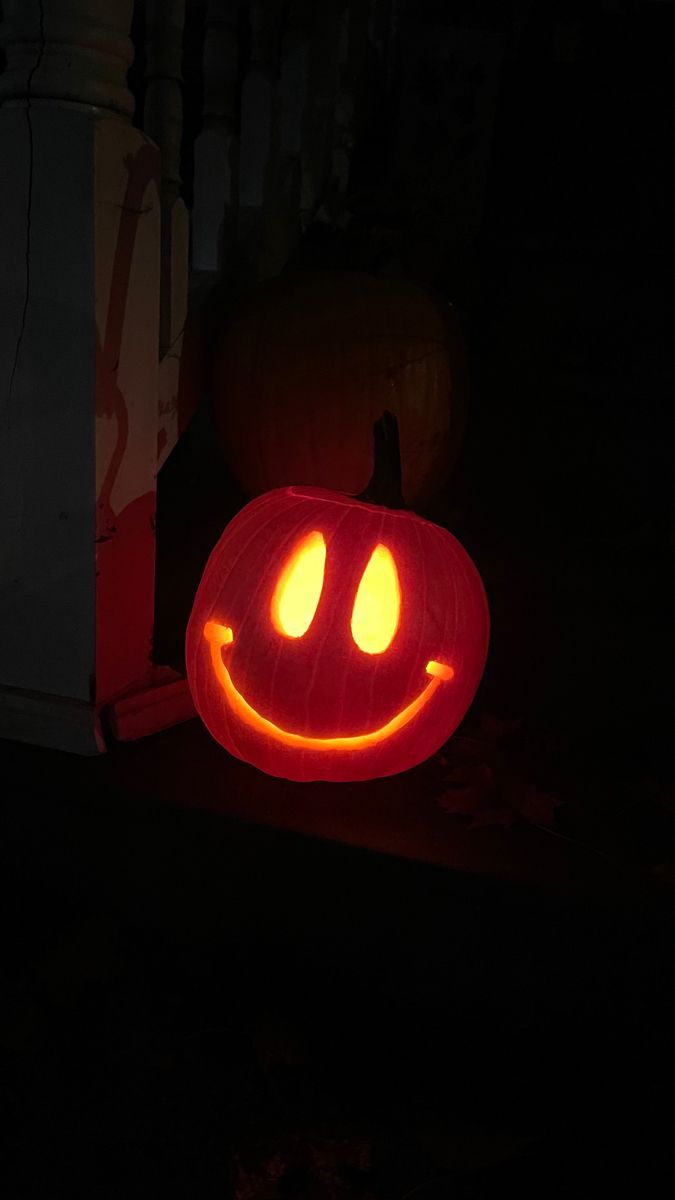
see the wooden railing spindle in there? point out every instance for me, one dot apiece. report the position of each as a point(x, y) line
point(216, 146)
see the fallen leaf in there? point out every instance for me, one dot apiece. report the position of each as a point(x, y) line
point(467, 786)
point(664, 797)
point(495, 728)
point(504, 817)
point(537, 807)
point(665, 872)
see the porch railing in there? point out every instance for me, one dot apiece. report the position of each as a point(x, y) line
point(96, 261)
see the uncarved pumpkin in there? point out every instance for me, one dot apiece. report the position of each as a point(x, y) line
point(335, 639)
point(307, 362)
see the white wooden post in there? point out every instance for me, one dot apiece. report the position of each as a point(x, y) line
point(79, 352)
point(216, 146)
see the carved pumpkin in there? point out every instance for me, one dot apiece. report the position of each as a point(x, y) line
point(332, 638)
point(307, 362)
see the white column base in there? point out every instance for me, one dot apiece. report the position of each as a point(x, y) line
point(162, 699)
point(54, 721)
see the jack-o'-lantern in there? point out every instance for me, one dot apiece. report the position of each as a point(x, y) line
point(333, 638)
point(305, 364)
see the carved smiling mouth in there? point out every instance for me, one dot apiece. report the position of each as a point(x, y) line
point(221, 635)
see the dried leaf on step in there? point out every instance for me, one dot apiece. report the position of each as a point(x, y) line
point(505, 817)
point(495, 728)
point(537, 807)
point(665, 873)
point(663, 796)
point(467, 786)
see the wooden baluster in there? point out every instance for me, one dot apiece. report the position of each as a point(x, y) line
point(79, 323)
point(281, 218)
point(163, 122)
point(345, 100)
point(216, 146)
point(317, 151)
point(464, 63)
point(384, 31)
point(258, 131)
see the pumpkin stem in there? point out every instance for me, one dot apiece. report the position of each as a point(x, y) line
point(385, 483)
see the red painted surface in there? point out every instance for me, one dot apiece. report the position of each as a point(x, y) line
point(124, 540)
point(125, 597)
point(320, 686)
point(192, 372)
point(164, 701)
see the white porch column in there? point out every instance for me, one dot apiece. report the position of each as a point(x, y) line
point(79, 333)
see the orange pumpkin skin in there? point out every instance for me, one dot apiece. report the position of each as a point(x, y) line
point(316, 705)
point(306, 364)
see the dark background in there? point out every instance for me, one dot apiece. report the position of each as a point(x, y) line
point(196, 1006)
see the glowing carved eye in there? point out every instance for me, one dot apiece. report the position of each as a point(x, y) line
point(377, 607)
point(298, 591)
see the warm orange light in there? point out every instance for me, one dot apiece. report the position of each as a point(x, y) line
point(298, 591)
point(377, 607)
point(440, 670)
point(221, 635)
